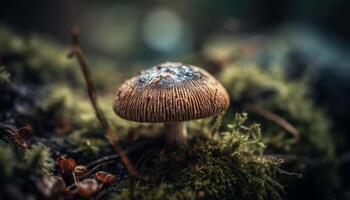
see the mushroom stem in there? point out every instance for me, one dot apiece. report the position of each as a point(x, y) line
point(175, 133)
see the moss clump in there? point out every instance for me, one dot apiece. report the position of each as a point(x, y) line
point(161, 192)
point(6, 161)
point(38, 161)
point(4, 76)
point(289, 99)
point(33, 59)
point(64, 102)
point(83, 134)
point(16, 161)
point(314, 152)
point(228, 166)
point(38, 60)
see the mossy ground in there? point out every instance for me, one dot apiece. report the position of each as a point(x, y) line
point(270, 90)
point(229, 165)
point(41, 88)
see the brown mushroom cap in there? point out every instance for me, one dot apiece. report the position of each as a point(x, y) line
point(171, 92)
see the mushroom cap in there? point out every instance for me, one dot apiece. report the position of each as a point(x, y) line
point(171, 92)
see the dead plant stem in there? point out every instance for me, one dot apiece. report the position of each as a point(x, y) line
point(110, 135)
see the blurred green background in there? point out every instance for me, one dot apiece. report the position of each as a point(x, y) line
point(301, 37)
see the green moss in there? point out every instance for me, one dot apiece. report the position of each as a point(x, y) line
point(6, 161)
point(74, 106)
point(35, 59)
point(228, 166)
point(85, 135)
point(38, 161)
point(217, 164)
point(66, 103)
point(40, 60)
point(289, 99)
point(4, 76)
point(17, 161)
point(161, 192)
point(83, 144)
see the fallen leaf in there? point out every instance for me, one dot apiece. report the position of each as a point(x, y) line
point(87, 187)
point(50, 186)
point(200, 195)
point(23, 136)
point(105, 177)
point(79, 171)
point(66, 164)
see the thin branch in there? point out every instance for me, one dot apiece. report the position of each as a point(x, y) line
point(128, 150)
point(109, 159)
point(102, 160)
point(274, 118)
point(110, 135)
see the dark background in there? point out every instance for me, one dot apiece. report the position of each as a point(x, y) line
point(55, 18)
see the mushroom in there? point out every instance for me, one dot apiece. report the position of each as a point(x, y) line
point(171, 93)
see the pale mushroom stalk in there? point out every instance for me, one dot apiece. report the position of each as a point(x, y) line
point(175, 133)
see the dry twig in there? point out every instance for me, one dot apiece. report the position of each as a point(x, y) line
point(274, 118)
point(110, 135)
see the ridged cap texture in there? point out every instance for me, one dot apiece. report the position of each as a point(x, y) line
point(171, 92)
